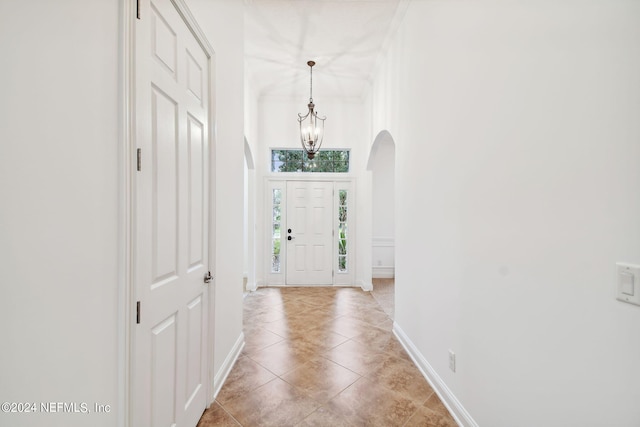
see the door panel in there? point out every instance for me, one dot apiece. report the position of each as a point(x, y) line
point(164, 43)
point(164, 181)
point(196, 235)
point(195, 77)
point(195, 320)
point(163, 371)
point(319, 261)
point(171, 220)
point(309, 207)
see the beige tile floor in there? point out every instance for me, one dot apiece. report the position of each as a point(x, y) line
point(324, 357)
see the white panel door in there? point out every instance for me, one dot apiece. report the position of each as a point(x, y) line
point(309, 233)
point(171, 220)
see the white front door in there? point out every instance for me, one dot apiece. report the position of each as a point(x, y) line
point(308, 232)
point(171, 220)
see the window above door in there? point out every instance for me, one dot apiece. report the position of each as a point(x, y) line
point(332, 161)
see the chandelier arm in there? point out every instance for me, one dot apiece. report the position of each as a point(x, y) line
point(315, 113)
point(301, 117)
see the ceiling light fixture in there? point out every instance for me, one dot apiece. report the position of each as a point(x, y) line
point(311, 125)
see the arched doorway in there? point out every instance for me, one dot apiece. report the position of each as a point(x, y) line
point(248, 265)
point(381, 163)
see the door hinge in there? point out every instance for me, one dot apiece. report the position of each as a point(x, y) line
point(333, 273)
point(139, 160)
point(138, 9)
point(138, 312)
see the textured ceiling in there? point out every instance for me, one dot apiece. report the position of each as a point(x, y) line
point(344, 37)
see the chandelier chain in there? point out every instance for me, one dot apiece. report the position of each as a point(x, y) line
point(311, 84)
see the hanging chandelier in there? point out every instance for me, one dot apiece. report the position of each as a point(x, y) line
point(311, 125)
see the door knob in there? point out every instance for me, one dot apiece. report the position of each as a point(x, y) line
point(207, 277)
point(289, 230)
point(290, 238)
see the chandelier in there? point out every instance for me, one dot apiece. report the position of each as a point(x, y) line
point(311, 125)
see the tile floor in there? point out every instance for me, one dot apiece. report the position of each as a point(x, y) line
point(324, 357)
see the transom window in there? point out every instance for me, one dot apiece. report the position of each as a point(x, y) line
point(296, 161)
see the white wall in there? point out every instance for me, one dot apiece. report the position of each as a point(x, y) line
point(59, 192)
point(223, 23)
point(62, 259)
point(518, 189)
point(278, 120)
point(383, 190)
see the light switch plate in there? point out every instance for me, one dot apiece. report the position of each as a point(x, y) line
point(628, 283)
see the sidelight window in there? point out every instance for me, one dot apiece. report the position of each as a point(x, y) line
point(342, 230)
point(275, 230)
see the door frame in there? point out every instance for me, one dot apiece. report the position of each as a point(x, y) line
point(127, 295)
point(273, 182)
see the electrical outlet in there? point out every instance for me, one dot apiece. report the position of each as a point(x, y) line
point(452, 360)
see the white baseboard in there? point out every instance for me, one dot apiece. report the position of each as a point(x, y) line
point(225, 369)
point(383, 272)
point(365, 286)
point(457, 411)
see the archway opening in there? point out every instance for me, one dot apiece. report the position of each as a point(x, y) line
point(381, 163)
point(248, 265)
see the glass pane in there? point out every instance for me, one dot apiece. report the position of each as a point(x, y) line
point(310, 165)
point(294, 160)
point(277, 196)
point(326, 166)
point(342, 263)
point(343, 197)
point(342, 246)
point(276, 246)
point(342, 214)
point(341, 167)
point(325, 156)
point(276, 231)
point(342, 231)
point(276, 213)
point(275, 264)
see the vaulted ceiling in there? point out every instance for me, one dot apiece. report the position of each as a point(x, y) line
point(343, 37)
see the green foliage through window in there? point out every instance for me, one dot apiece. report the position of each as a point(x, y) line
point(342, 230)
point(276, 232)
point(297, 161)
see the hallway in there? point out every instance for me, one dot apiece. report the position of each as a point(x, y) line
point(324, 357)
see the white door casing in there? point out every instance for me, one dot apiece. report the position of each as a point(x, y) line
point(310, 219)
point(171, 219)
